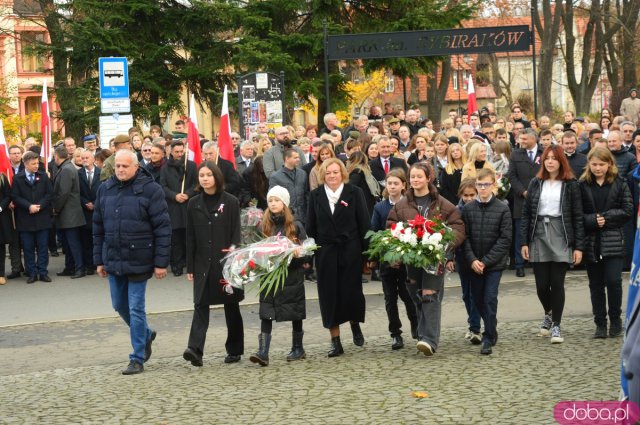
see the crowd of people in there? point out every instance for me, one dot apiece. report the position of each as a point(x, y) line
point(515, 192)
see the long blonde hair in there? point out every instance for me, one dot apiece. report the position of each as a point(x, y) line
point(451, 163)
point(604, 155)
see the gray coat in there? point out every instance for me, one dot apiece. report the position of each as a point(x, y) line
point(66, 197)
point(295, 181)
point(273, 159)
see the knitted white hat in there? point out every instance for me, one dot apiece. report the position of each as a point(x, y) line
point(280, 193)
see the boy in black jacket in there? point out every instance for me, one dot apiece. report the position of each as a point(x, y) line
point(486, 249)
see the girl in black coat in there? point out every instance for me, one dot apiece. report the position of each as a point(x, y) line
point(607, 207)
point(288, 303)
point(552, 234)
point(213, 228)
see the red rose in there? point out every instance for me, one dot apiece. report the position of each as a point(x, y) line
point(393, 226)
point(420, 233)
point(252, 265)
point(243, 273)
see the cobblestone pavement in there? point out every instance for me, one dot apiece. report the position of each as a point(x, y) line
point(69, 372)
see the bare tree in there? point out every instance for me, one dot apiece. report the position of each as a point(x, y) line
point(437, 90)
point(548, 28)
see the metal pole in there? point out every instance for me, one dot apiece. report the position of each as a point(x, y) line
point(533, 50)
point(326, 65)
point(241, 122)
point(458, 81)
point(285, 117)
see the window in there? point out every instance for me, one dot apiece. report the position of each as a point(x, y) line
point(31, 62)
point(455, 79)
point(33, 104)
point(465, 79)
point(389, 84)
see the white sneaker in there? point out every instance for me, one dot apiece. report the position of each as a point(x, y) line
point(545, 326)
point(424, 348)
point(556, 338)
point(468, 335)
point(476, 338)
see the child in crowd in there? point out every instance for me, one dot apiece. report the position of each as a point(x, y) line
point(288, 303)
point(394, 276)
point(468, 193)
point(486, 249)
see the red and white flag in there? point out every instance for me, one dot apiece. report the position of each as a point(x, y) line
point(193, 135)
point(45, 127)
point(224, 136)
point(472, 105)
point(5, 164)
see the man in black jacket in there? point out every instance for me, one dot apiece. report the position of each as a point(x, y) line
point(577, 161)
point(89, 176)
point(487, 223)
point(524, 165)
point(385, 162)
point(232, 180)
point(32, 194)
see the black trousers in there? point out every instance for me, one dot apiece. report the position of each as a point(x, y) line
point(550, 287)
point(235, 329)
point(86, 239)
point(266, 326)
point(15, 252)
point(606, 274)
point(178, 249)
point(394, 286)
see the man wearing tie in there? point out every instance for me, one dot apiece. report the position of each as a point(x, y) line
point(525, 163)
point(246, 156)
point(32, 196)
point(89, 176)
point(385, 162)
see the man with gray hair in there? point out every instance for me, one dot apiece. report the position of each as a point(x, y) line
point(232, 180)
point(524, 165)
point(627, 129)
point(131, 243)
point(245, 158)
point(68, 214)
point(330, 124)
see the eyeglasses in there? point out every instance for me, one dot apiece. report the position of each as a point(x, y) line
point(146, 150)
point(235, 138)
point(484, 185)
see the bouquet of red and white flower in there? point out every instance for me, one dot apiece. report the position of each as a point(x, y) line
point(420, 243)
point(264, 263)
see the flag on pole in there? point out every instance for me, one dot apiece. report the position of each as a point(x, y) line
point(193, 135)
point(472, 105)
point(225, 147)
point(45, 127)
point(5, 164)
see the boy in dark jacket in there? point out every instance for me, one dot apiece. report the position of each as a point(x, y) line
point(486, 250)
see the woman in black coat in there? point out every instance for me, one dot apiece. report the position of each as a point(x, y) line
point(287, 304)
point(607, 207)
point(338, 220)
point(6, 223)
point(213, 227)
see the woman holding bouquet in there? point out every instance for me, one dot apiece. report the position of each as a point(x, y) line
point(287, 304)
point(338, 220)
point(427, 289)
point(213, 228)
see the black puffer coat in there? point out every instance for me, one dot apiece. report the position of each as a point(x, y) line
point(572, 218)
point(488, 229)
point(607, 241)
point(288, 303)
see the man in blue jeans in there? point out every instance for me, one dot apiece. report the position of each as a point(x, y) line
point(131, 242)
point(487, 223)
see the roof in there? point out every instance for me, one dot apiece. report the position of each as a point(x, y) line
point(26, 7)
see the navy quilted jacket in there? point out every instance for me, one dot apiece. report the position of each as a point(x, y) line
point(131, 226)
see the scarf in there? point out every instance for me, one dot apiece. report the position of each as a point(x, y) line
point(333, 196)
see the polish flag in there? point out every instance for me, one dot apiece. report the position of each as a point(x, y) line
point(45, 127)
point(193, 136)
point(224, 137)
point(472, 105)
point(5, 164)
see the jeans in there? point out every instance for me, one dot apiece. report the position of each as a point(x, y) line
point(33, 242)
point(485, 294)
point(72, 249)
point(516, 241)
point(549, 278)
point(235, 329)
point(394, 286)
point(606, 274)
point(128, 299)
point(428, 307)
point(473, 316)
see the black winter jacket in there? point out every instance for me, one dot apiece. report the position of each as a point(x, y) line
point(131, 226)
point(488, 230)
point(571, 206)
point(288, 303)
point(607, 241)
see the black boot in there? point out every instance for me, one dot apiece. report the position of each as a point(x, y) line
point(358, 337)
point(297, 351)
point(262, 356)
point(374, 274)
point(336, 347)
